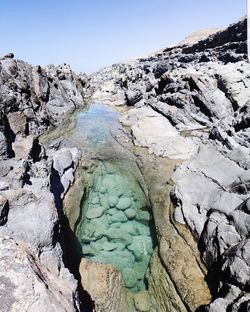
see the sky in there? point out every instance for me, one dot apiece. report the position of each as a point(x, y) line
point(91, 34)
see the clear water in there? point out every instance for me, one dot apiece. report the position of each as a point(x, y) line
point(115, 224)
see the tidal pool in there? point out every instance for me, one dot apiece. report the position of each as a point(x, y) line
point(115, 225)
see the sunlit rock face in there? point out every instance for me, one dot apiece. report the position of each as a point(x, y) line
point(115, 224)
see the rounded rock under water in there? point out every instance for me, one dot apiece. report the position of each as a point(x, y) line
point(114, 225)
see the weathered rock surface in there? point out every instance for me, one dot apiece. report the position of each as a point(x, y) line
point(34, 99)
point(28, 285)
point(106, 285)
point(150, 129)
point(29, 216)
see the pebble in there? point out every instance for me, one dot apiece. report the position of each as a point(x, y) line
point(108, 182)
point(124, 203)
point(102, 189)
point(97, 246)
point(112, 211)
point(104, 201)
point(95, 200)
point(120, 259)
point(88, 250)
point(94, 213)
point(115, 225)
point(113, 200)
point(130, 213)
point(119, 236)
point(119, 217)
point(116, 230)
point(141, 247)
point(129, 227)
point(140, 269)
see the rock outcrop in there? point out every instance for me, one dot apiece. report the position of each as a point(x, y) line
point(33, 181)
point(191, 102)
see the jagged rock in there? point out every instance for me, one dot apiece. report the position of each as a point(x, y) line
point(29, 215)
point(232, 80)
point(190, 93)
point(198, 36)
point(40, 95)
point(3, 145)
point(9, 55)
point(222, 304)
point(22, 272)
point(133, 97)
point(110, 93)
point(23, 147)
point(65, 162)
point(236, 264)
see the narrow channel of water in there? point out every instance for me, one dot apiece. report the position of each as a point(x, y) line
point(114, 226)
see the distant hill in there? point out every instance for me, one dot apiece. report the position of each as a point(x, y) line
point(198, 35)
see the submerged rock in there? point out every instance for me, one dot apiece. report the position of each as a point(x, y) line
point(122, 245)
point(95, 213)
point(124, 203)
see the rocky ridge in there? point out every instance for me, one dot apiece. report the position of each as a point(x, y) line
point(192, 102)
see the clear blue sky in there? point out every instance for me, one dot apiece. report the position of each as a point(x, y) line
point(91, 34)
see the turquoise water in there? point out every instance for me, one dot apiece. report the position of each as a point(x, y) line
point(115, 223)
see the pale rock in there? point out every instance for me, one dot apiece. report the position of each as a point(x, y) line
point(152, 130)
point(23, 147)
point(21, 272)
